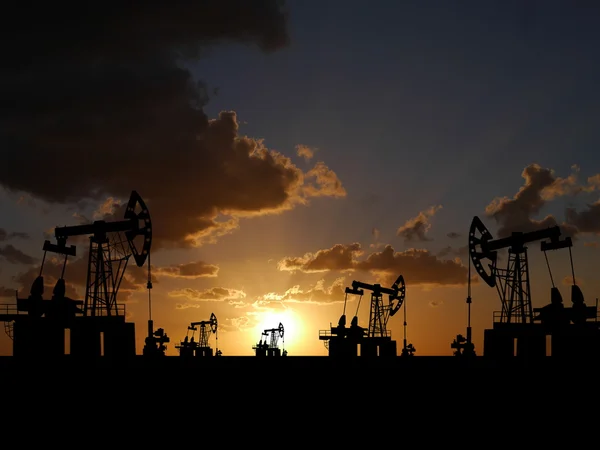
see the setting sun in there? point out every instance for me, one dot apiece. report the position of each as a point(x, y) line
point(269, 320)
point(220, 192)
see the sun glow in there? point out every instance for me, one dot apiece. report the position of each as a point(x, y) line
point(292, 325)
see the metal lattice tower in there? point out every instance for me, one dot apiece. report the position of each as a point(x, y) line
point(511, 283)
point(514, 289)
point(377, 316)
point(108, 259)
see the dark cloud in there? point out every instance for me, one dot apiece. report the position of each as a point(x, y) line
point(5, 235)
point(586, 221)
point(416, 265)
point(338, 257)
point(540, 186)
point(215, 294)
point(196, 269)
point(15, 256)
point(58, 33)
point(416, 228)
point(318, 294)
point(97, 102)
point(454, 235)
point(453, 251)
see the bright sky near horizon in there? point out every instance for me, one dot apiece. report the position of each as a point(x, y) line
point(345, 143)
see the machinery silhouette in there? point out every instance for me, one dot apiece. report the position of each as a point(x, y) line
point(463, 345)
point(97, 324)
point(376, 339)
point(190, 348)
point(516, 324)
point(155, 341)
point(269, 343)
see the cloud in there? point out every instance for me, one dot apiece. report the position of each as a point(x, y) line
point(418, 266)
point(215, 294)
point(416, 228)
point(326, 183)
point(189, 270)
point(454, 235)
point(593, 182)
point(15, 256)
point(564, 186)
point(305, 152)
point(318, 294)
point(568, 281)
point(338, 257)
point(265, 305)
point(449, 250)
point(5, 235)
point(116, 110)
point(586, 221)
point(106, 208)
point(541, 185)
point(593, 244)
point(236, 323)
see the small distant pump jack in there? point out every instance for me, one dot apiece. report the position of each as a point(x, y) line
point(268, 344)
point(190, 348)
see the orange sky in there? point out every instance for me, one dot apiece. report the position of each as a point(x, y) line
point(305, 291)
point(285, 152)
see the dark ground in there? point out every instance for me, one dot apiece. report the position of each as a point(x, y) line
point(292, 365)
point(294, 391)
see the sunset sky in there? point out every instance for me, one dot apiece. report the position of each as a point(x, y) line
point(283, 153)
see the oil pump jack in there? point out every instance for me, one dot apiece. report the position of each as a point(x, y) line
point(38, 325)
point(516, 322)
point(376, 339)
point(268, 344)
point(190, 348)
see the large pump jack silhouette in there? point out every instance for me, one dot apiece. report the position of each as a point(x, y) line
point(517, 322)
point(97, 324)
